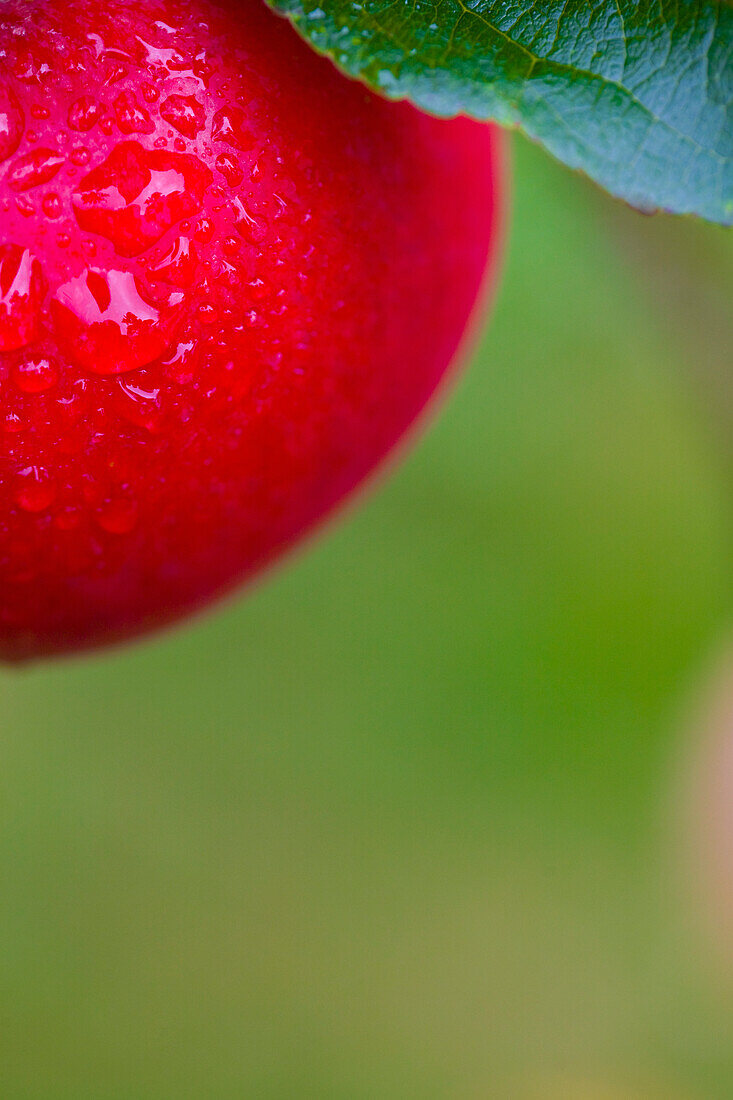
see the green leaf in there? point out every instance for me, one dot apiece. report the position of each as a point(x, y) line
point(636, 93)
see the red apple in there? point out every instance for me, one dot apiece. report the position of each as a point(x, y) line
point(229, 281)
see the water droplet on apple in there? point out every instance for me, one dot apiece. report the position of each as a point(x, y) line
point(208, 314)
point(22, 290)
point(25, 206)
point(205, 230)
point(36, 375)
point(138, 404)
point(51, 205)
point(114, 72)
point(13, 424)
point(79, 156)
point(137, 195)
point(107, 326)
point(84, 113)
point(230, 168)
point(251, 228)
point(184, 113)
point(33, 169)
point(12, 122)
point(258, 289)
point(131, 117)
point(178, 266)
point(182, 363)
point(34, 490)
point(229, 124)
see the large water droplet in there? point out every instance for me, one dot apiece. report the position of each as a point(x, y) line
point(106, 324)
point(230, 168)
point(52, 206)
point(229, 124)
point(24, 206)
point(22, 290)
point(84, 113)
point(34, 491)
point(36, 375)
point(137, 402)
point(12, 122)
point(34, 168)
point(250, 227)
point(184, 113)
point(114, 71)
point(205, 231)
point(131, 117)
point(137, 195)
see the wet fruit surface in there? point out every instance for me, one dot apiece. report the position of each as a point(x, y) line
point(229, 280)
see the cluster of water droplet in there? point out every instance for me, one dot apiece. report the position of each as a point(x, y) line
point(142, 219)
point(195, 240)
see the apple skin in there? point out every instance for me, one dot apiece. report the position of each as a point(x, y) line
point(230, 279)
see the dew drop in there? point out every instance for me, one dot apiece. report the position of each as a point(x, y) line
point(205, 230)
point(229, 124)
point(51, 206)
point(229, 275)
point(107, 326)
point(229, 166)
point(80, 156)
point(36, 375)
point(12, 122)
point(182, 363)
point(116, 71)
point(138, 404)
point(131, 117)
point(184, 113)
point(13, 424)
point(137, 195)
point(251, 228)
point(84, 113)
point(34, 490)
point(22, 290)
point(258, 289)
point(33, 169)
point(178, 266)
point(25, 206)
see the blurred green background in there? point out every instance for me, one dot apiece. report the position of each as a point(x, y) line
point(394, 825)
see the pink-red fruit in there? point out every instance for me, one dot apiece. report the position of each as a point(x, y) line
point(229, 281)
